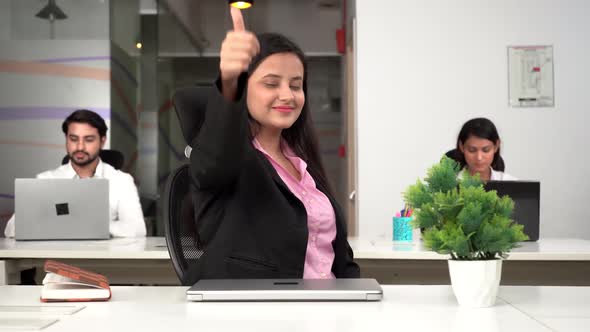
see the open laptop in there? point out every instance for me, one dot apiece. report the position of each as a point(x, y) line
point(285, 290)
point(61, 209)
point(526, 196)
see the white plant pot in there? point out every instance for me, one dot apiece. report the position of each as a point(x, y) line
point(475, 283)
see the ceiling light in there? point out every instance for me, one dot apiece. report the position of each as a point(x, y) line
point(241, 4)
point(51, 12)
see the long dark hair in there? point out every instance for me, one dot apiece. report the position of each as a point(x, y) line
point(301, 136)
point(482, 128)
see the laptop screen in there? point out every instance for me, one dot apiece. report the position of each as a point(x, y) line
point(526, 197)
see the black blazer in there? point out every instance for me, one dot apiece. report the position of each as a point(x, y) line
point(249, 223)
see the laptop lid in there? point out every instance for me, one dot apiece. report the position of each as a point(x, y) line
point(61, 209)
point(526, 196)
point(285, 290)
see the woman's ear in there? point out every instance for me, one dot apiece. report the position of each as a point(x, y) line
point(496, 146)
point(461, 148)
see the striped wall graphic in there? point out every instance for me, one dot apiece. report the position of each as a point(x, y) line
point(37, 68)
point(46, 112)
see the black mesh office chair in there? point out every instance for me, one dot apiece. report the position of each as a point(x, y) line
point(179, 217)
point(179, 223)
point(456, 156)
point(112, 157)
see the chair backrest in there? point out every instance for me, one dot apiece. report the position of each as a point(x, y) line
point(189, 105)
point(181, 234)
point(178, 208)
point(112, 157)
point(456, 156)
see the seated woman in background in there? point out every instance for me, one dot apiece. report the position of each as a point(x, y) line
point(478, 150)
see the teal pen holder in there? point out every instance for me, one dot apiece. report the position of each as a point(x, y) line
point(402, 229)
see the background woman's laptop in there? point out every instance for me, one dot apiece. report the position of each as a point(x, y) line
point(526, 196)
point(61, 209)
point(285, 290)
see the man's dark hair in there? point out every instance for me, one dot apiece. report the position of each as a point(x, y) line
point(86, 116)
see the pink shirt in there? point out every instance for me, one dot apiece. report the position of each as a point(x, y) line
point(321, 220)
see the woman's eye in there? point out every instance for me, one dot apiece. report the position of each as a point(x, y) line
point(295, 87)
point(271, 85)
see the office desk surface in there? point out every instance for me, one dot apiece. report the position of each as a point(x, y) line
point(404, 308)
point(118, 248)
point(155, 248)
point(146, 261)
point(542, 250)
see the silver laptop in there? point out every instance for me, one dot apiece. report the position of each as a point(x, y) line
point(61, 209)
point(285, 290)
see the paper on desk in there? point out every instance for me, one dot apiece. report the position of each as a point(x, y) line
point(25, 323)
point(41, 309)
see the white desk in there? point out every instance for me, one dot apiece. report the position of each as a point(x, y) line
point(542, 250)
point(146, 260)
point(404, 308)
point(123, 260)
point(545, 262)
point(117, 248)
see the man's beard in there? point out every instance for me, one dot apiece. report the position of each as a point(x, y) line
point(86, 162)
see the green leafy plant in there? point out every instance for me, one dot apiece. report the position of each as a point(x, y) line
point(460, 218)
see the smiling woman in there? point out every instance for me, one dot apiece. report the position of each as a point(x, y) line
point(263, 206)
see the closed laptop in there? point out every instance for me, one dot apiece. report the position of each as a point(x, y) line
point(285, 290)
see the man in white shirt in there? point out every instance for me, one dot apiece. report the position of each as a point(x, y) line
point(85, 133)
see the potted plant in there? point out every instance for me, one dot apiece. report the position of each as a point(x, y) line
point(474, 226)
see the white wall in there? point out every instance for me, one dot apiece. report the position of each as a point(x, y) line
point(426, 66)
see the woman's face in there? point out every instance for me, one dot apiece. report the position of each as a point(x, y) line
point(275, 91)
point(479, 153)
